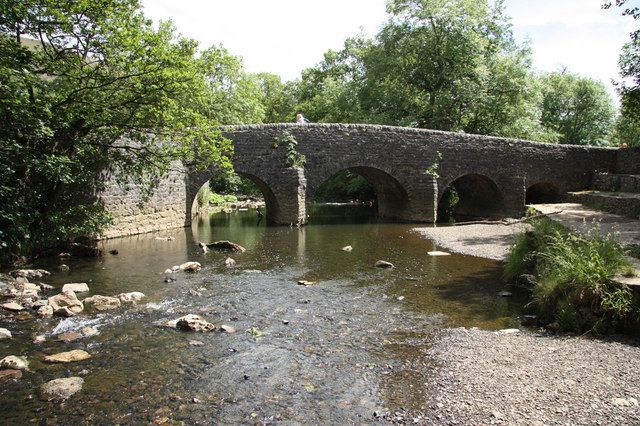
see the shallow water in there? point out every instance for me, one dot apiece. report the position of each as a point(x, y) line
point(334, 352)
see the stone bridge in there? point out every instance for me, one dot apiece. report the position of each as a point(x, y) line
point(408, 168)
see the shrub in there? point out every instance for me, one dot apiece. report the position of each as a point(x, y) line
point(574, 278)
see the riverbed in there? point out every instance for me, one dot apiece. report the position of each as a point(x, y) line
point(353, 346)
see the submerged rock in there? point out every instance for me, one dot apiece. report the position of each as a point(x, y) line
point(63, 268)
point(45, 311)
point(169, 275)
point(132, 297)
point(384, 264)
point(191, 266)
point(10, 375)
point(5, 334)
point(76, 287)
point(14, 363)
point(66, 304)
point(102, 303)
point(29, 273)
point(194, 323)
point(70, 356)
point(229, 262)
point(61, 389)
point(226, 245)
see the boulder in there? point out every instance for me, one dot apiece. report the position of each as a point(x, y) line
point(384, 264)
point(14, 362)
point(30, 290)
point(12, 306)
point(102, 303)
point(226, 245)
point(61, 389)
point(69, 336)
point(229, 262)
point(29, 273)
point(5, 334)
point(65, 357)
point(191, 267)
point(132, 297)
point(203, 247)
point(46, 287)
point(169, 275)
point(76, 287)
point(37, 340)
point(45, 311)
point(66, 304)
point(194, 323)
point(63, 268)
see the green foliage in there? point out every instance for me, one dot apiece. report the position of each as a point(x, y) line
point(292, 158)
point(278, 98)
point(218, 199)
point(88, 89)
point(203, 196)
point(574, 285)
point(231, 182)
point(578, 110)
point(432, 170)
point(346, 186)
point(447, 206)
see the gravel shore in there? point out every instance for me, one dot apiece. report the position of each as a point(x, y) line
point(487, 377)
point(488, 241)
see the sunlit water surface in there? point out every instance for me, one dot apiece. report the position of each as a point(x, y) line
point(334, 352)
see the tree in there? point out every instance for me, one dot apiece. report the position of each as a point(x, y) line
point(278, 98)
point(88, 87)
point(579, 110)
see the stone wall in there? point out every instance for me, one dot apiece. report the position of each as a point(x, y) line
point(408, 168)
point(164, 210)
point(628, 161)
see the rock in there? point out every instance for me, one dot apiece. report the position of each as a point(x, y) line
point(29, 273)
point(102, 303)
point(229, 262)
point(166, 324)
point(505, 294)
point(438, 253)
point(76, 287)
point(194, 323)
point(64, 255)
point(113, 252)
point(66, 304)
point(191, 267)
point(305, 283)
point(63, 268)
point(40, 303)
point(46, 287)
point(203, 247)
point(45, 311)
point(227, 328)
point(12, 306)
point(509, 331)
point(196, 343)
point(10, 375)
point(347, 248)
point(384, 264)
point(69, 336)
point(89, 331)
point(65, 357)
point(14, 362)
point(5, 334)
point(226, 245)
point(37, 340)
point(169, 275)
point(61, 389)
point(132, 297)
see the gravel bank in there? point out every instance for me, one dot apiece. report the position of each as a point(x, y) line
point(489, 377)
point(488, 241)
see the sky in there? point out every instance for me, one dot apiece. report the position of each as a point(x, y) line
point(286, 36)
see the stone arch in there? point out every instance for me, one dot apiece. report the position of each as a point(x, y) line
point(198, 179)
point(392, 197)
point(542, 193)
point(478, 196)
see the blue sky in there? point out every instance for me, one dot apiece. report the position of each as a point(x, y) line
point(286, 36)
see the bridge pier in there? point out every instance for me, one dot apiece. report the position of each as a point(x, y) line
point(513, 195)
point(289, 189)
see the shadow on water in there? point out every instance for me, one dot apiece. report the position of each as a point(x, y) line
point(333, 352)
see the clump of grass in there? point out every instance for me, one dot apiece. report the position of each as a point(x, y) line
point(574, 278)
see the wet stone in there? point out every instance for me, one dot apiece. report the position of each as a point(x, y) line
point(13, 362)
point(384, 264)
point(61, 389)
point(10, 375)
point(12, 306)
point(75, 287)
point(66, 357)
point(5, 334)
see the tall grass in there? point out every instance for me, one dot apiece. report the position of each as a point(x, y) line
point(574, 284)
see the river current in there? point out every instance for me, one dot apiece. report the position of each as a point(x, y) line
point(350, 346)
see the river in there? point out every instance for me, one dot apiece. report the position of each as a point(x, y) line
point(340, 351)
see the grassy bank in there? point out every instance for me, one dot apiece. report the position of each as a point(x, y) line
point(572, 277)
